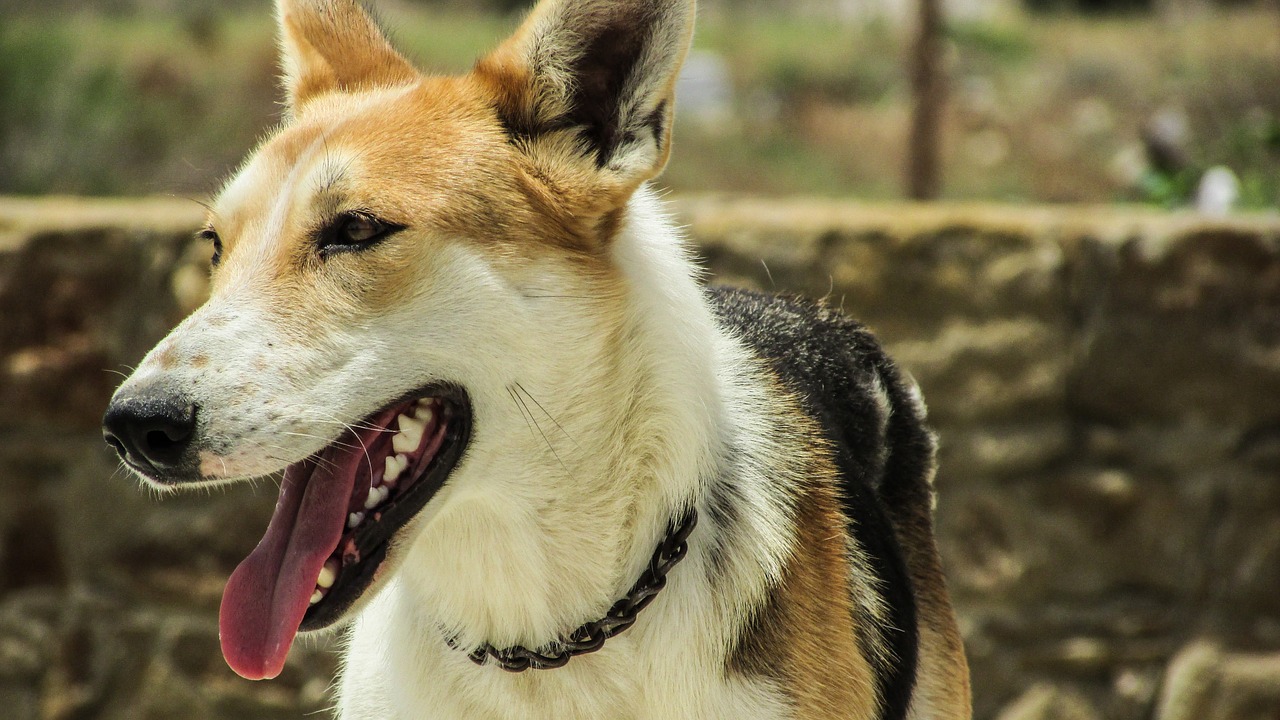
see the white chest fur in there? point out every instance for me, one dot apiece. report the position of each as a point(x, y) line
point(394, 669)
point(671, 663)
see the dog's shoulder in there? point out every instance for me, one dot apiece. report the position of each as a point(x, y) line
point(808, 344)
point(873, 420)
point(838, 371)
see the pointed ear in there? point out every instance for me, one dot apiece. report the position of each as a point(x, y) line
point(334, 46)
point(591, 83)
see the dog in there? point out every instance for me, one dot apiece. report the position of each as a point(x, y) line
point(530, 463)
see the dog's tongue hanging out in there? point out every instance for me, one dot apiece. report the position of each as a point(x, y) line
point(268, 594)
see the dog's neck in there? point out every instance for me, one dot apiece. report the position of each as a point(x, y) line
point(554, 544)
point(590, 637)
point(527, 558)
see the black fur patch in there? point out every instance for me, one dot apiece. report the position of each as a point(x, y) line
point(836, 369)
point(657, 124)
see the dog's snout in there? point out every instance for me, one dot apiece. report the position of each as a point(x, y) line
point(150, 432)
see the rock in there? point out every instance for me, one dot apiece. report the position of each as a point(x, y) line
point(1169, 317)
point(1205, 682)
point(1046, 702)
point(1103, 382)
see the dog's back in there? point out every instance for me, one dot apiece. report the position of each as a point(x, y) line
point(873, 420)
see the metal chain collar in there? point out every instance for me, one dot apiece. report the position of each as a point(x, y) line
point(590, 637)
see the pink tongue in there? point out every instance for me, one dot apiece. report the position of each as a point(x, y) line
point(267, 595)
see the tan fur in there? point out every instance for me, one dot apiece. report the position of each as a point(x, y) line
point(803, 636)
point(167, 358)
point(334, 47)
point(433, 158)
point(535, 100)
point(942, 680)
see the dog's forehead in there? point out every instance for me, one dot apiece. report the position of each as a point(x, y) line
point(400, 146)
point(264, 178)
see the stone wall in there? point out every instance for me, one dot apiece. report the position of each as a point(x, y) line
point(1106, 383)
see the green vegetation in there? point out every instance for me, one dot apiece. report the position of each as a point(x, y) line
point(999, 44)
point(803, 57)
point(1048, 108)
point(447, 42)
point(108, 105)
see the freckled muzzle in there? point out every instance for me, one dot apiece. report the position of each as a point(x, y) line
point(336, 514)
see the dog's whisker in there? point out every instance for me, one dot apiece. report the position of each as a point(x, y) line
point(768, 274)
point(323, 438)
point(318, 459)
point(530, 418)
point(361, 424)
point(550, 417)
point(523, 412)
point(368, 459)
point(334, 443)
point(327, 441)
point(188, 198)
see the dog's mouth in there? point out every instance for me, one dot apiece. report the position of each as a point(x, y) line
point(338, 511)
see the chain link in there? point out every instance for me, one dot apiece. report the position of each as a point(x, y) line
point(590, 637)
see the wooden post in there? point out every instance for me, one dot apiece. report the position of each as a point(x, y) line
point(924, 162)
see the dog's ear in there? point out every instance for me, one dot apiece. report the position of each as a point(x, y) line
point(334, 46)
point(587, 86)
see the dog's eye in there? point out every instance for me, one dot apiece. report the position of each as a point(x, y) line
point(361, 228)
point(354, 231)
point(210, 235)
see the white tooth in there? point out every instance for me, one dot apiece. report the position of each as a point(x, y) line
point(400, 443)
point(411, 432)
point(327, 576)
point(396, 465)
point(355, 519)
point(317, 596)
point(423, 413)
point(409, 425)
point(392, 470)
point(426, 402)
point(373, 499)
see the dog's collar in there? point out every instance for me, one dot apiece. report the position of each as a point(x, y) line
point(590, 636)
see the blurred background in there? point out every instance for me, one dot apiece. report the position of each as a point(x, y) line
point(1037, 100)
point(1061, 216)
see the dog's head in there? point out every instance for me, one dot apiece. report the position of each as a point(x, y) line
point(394, 267)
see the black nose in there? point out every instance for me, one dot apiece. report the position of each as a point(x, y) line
point(150, 431)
